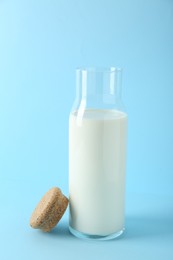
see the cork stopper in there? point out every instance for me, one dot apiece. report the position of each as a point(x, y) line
point(49, 210)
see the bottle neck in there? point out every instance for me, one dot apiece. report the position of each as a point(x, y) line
point(98, 88)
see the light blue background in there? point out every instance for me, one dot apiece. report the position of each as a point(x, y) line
point(41, 44)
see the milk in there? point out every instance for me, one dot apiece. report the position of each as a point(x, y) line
point(97, 155)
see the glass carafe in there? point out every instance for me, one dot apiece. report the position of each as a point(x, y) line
point(97, 155)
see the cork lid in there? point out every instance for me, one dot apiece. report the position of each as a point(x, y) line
point(49, 210)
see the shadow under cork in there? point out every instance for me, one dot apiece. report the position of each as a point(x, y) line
point(61, 230)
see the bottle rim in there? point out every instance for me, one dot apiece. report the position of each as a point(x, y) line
point(99, 69)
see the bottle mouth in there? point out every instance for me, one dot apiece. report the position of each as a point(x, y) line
point(99, 69)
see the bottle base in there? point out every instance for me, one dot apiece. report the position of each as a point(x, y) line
point(81, 235)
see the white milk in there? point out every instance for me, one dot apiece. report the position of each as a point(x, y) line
point(97, 155)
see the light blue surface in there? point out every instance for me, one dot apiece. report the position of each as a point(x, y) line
point(41, 44)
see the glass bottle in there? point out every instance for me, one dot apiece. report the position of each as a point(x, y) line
point(97, 155)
